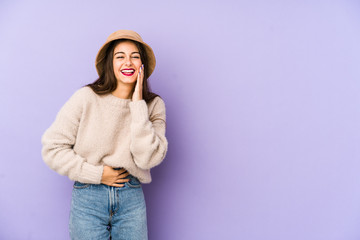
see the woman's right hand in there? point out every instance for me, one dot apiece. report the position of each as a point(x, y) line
point(114, 178)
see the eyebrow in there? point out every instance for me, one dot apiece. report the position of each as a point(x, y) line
point(124, 53)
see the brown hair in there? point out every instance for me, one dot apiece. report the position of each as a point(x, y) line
point(107, 82)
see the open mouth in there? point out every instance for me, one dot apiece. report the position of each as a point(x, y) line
point(128, 71)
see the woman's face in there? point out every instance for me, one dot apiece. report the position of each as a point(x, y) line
point(126, 62)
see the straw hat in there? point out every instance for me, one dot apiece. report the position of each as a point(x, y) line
point(124, 34)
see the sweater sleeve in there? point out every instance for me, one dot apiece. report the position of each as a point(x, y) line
point(59, 139)
point(148, 142)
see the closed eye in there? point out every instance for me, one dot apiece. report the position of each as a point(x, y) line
point(124, 57)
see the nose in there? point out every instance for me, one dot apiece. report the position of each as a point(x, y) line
point(128, 62)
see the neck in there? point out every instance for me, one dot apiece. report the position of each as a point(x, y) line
point(124, 91)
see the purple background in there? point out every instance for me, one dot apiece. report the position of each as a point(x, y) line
point(263, 110)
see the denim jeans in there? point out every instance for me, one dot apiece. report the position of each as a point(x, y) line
point(99, 212)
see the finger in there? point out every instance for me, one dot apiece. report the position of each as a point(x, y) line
point(137, 83)
point(122, 170)
point(117, 185)
point(124, 175)
point(141, 74)
point(122, 180)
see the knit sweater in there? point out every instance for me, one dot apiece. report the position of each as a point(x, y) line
point(93, 130)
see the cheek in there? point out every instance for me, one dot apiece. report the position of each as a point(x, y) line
point(115, 64)
point(116, 67)
point(138, 64)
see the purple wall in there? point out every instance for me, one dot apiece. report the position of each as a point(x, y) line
point(263, 111)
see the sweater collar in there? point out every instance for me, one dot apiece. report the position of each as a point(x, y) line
point(111, 99)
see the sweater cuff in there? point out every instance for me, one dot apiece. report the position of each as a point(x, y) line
point(91, 174)
point(139, 111)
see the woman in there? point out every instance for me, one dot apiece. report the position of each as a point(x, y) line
point(106, 138)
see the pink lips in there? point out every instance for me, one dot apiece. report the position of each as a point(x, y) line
point(128, 71)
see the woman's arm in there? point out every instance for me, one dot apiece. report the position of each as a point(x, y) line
point(59, 139)
point(148, 142)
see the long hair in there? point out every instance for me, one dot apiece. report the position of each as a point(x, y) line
point(107, 82)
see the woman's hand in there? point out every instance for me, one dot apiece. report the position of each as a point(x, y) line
point(114, 178)
point(137, 95)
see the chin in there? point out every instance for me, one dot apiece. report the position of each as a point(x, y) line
point(127, 81)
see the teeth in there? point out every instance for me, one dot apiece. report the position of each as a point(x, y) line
point(127, 71)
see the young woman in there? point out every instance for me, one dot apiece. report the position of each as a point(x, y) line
point(106, 138)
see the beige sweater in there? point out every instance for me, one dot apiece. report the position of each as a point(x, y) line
point(91, 131)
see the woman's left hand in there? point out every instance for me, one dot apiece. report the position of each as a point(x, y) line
point(137, 95)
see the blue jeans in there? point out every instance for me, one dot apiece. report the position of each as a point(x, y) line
point(99, 212)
